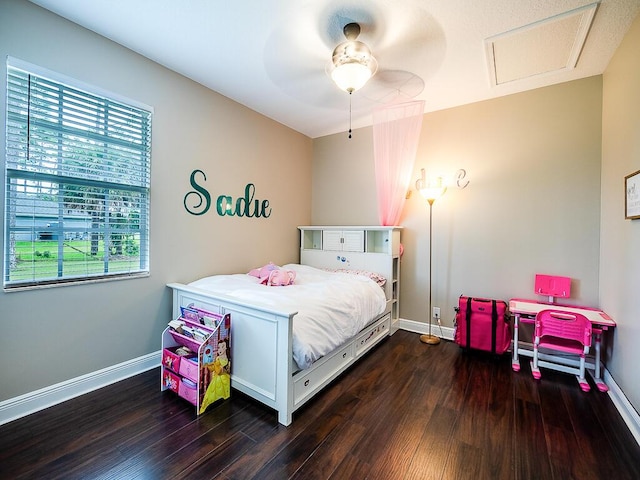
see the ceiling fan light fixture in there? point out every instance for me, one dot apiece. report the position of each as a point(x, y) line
point(353, 64)
point(351, 76)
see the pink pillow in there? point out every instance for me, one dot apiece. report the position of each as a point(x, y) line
point(281, 278)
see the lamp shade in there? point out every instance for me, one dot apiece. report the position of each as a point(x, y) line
point(433, 189)
point(352, 65)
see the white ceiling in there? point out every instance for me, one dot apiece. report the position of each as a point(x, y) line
point(271, 55)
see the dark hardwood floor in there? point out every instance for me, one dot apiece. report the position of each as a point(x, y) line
point(406, 411)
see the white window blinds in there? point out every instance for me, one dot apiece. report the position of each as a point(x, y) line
point(77, 176)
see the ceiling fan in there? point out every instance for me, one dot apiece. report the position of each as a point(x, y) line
point(352, 63)
point(299, 54)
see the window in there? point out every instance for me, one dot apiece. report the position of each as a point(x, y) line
point(77, 176)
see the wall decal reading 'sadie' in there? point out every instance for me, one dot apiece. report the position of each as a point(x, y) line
point(245, 206)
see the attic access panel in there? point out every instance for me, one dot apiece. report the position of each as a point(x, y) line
point(550, 45)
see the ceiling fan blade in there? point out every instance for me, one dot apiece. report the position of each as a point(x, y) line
point(386, 85)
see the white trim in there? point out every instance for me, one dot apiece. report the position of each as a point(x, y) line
point(586, 14)
point(32, 402)
point(78, 282)
point(422, 327)
point(624, 407)
point(73, 83)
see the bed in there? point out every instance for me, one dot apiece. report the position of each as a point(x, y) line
point(271, 359)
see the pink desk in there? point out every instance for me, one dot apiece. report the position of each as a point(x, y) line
point(526, 310)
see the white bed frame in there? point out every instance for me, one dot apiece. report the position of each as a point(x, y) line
point(262, 363)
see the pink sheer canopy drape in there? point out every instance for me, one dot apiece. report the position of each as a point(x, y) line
point(396, 131)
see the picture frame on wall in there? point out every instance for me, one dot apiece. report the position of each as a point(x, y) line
point(632, 196)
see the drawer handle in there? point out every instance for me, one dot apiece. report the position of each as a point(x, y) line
point(306, 383)
point(344, 355)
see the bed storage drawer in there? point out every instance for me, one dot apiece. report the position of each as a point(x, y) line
point(369, 336)
point(305, 384)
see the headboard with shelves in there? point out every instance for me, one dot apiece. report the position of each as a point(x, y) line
point(372, 248)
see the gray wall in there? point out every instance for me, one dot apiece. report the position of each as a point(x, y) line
point(55, 334)
point(532, 204)
point(620, 238)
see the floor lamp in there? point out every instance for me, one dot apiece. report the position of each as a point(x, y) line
point(431, 191)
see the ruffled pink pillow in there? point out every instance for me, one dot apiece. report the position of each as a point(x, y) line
point(273, 275)
point(281, 278)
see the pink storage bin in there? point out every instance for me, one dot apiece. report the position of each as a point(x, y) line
point(170, 359)
point(189, 368)
point(189, 391)
point(170, 381)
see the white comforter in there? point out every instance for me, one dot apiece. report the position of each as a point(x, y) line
point(332, 307)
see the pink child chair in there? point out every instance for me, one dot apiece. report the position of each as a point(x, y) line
point(565, 332)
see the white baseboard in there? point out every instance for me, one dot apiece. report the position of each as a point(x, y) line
point(620, 401)
point(421, 327)
point(23, 405)
point(624, 407)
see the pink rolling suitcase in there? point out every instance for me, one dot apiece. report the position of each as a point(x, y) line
point(482, 324)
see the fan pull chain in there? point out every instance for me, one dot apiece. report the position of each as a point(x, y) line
point(350, 113)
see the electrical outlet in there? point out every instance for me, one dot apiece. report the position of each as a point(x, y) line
point(436, 312)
